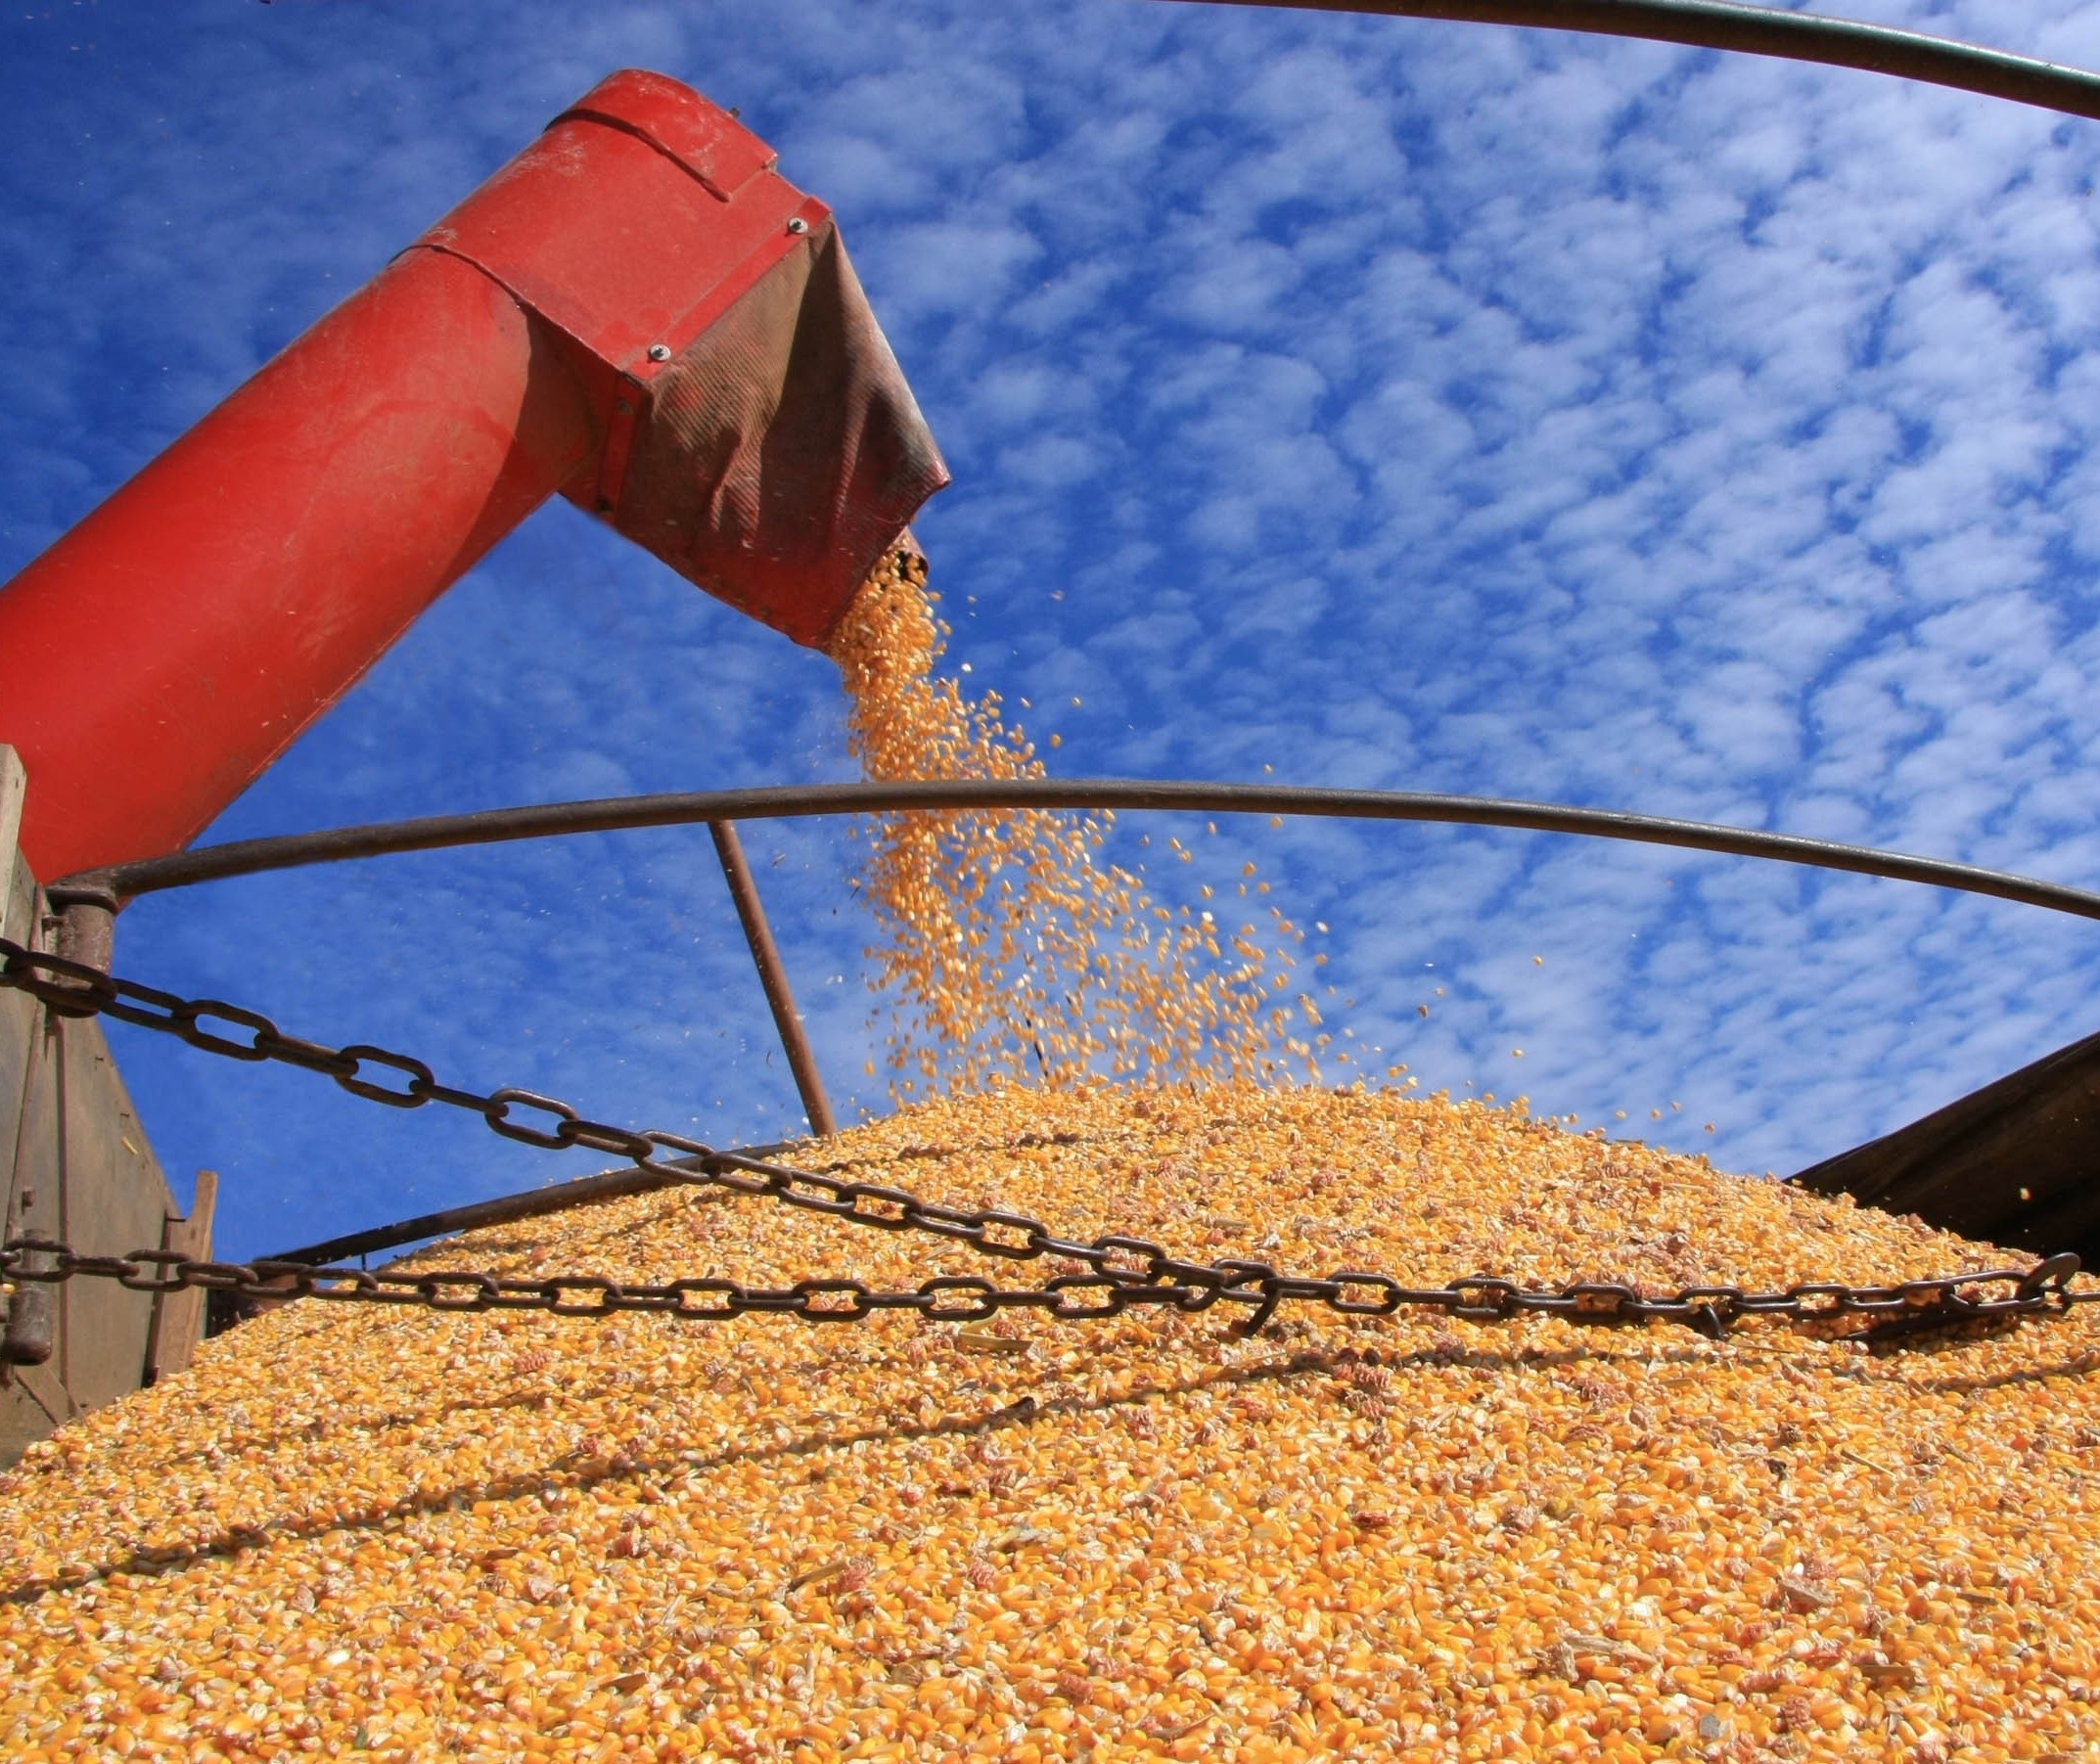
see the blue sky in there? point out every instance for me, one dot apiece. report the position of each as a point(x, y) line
point(1394, 404)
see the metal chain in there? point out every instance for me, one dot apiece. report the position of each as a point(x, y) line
point(1123, 1271)
point(1896, 1312)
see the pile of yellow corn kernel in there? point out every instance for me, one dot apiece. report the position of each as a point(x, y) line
point(1007, 944)
point(389, 1534)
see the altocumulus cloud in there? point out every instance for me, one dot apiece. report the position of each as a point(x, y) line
point(1391, 403)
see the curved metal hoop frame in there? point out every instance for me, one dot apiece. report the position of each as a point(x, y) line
point(1764, 31)
point(613, 814)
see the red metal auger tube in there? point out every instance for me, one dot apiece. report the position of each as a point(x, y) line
point(638, 311)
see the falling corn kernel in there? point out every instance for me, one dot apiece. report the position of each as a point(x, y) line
point(1057, 973)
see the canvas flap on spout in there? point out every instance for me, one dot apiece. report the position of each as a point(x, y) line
point(782, 452)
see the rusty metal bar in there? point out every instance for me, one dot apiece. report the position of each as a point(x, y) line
point(1764, 31)
point(505, 1210)
point(534, 1204)
point(773, 976)
point(250, 857)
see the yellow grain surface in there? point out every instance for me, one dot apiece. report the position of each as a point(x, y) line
point(390, 1534)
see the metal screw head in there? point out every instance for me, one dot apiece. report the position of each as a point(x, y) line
point(660, 351)
point(798, 225)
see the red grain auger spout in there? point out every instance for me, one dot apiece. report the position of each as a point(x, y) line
point(637, 312)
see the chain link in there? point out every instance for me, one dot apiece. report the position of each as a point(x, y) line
point(1120, 1272)
point(1896, 1313)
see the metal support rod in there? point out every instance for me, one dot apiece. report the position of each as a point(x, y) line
point(1765, 30)
point(87, 934)
point(507, 1209)
point(473, 1216)
point(773, 976)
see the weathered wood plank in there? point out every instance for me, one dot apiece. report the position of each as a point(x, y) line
point(32, 1405)
point(74, 1164)
point(178, 1319)
point(2017, 1162)
point(20, 1021)
point(19, 1012)
point(116, 1200)
point(37, 1197)
point(32, 1401)
point(14, 791)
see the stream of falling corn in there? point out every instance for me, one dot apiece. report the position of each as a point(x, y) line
point(353, 1532)
point(1008, 945)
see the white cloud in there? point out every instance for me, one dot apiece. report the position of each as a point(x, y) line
point(1421, 405)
